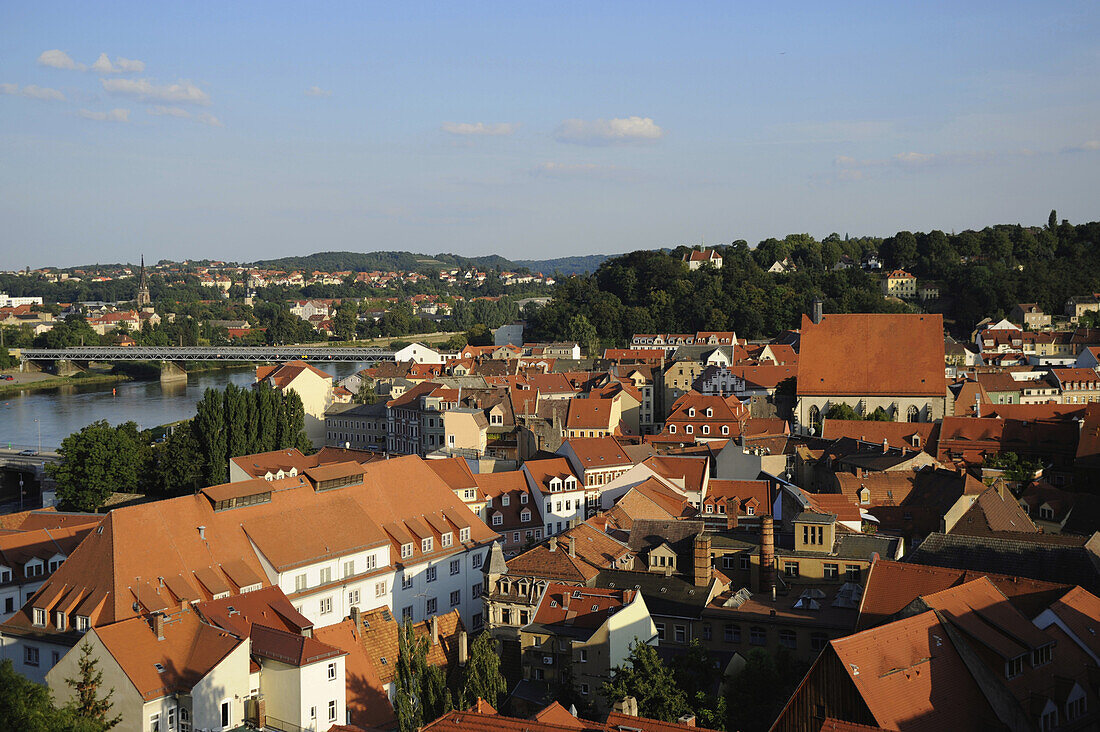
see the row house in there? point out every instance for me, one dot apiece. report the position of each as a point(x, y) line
point(698, 418)
point(598, 461)
point(414, 420)
point(672, 341)
point(336, 536)
point(594, 417)
point(560, 495)
point(1077, 385)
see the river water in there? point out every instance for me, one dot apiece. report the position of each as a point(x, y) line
point(61, 412)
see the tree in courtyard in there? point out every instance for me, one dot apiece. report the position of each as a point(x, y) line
point(421, 695)
point(841, 411)
point(646, 678)
point(366, 393)
point(96, 461)
point(483, 679)
point(757, 693)
point(696, 673)
point(86, 703)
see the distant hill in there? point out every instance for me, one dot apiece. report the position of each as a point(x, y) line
point(565, 265)
point(409, 261)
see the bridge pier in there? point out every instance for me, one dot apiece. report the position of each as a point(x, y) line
point(65, 367)
point(171, 372)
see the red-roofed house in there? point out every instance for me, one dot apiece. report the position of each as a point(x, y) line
point(867, 361)
point(311, 384)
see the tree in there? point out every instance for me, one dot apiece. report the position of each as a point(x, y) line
point(479, 335)
point(237, 429)
point(87, 704)
point(28, 707)
point(1052, 221)
point(292, 423)
point(483, 679)
point(209, 429)
point(841, 411)
point(366, 393)
point(758, 692)
point(178, 463)
point(96, 461)
point(584, 333)
point(267, 417)
point(695, 673)
point(343, 323)
point(456, 342)
point(648, 680)
point(421, 695)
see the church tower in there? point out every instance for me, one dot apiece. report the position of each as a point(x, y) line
point(143, 298)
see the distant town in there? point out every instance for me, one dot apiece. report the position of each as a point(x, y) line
point(531, 507)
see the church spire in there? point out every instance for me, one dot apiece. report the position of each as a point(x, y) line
point(143, 296)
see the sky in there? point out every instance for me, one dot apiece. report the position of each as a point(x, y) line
point(242, 131)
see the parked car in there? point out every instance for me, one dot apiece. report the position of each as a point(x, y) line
point(7, 377)
point(28, 452)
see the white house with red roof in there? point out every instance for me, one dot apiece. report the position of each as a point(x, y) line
point(310, 383)
point(697, 258)
point(560, 494)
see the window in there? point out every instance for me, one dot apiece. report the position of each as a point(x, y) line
point(154, 722)
point(380, 589)
point(349, 568)
point(725, 429)
point(300, 583)
point(40, 617)
point(5, 576)
point(353, 597)
point(746, 561)
point(456, 598)
point(758, 636)
point(731, 633)
point(689, 429)
point(525, 516)
point(475, 591)
point(672, 429)
point(326, 575)
point(832, 571)
point(429, 574)
point(332, 672)
point(446, 539)
point(1014, 667)
point(313, 712)
point(455, 567)
point(584, 690)
point(1042, 655)
point(1075, 708)
point(818, 641)
point(788, 639)
point(506, 616)
point(680, 634)
point(430, 606)
point(584, 655)
point(464, 534)
point(706, 429)
point(326, 605)
point(476, 561)
point(406, 581)
point(790, 569)
point(172, 719)
point(407, 613)
point(538, 674)
point(227, 713)
point(332, 711)
point(1049, 720)
point(851, 572)
point(30, 656)
point(706, 631)
point(497, 519)
point(1046, 512)
point(426, 545)
point(523, 498)
point(660, 630)
point(54, 564)
point(82, 623)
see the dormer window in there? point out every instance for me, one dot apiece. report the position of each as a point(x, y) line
point(750, 511)
point(446, 539)
point(710, 412)
point(406, 550)
point(523, 498)
point(40, 617)
point(5, 575)
point(672, 429)
point(426, 545)
point(464, 534)
point(1014, 667)
point(1042, 655)
point(691, 411)
point(505, 500)
point(59, 620)
point(688, 429)
point(82, 623)
point(525, 516)
point(1046, 512)
point(706, 429)
point(725, 429)
point(497, 519)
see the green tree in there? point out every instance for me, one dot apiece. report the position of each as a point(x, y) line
point(583, 332)
point(209, 429)
point(645, 677)
point(479, 335)
point(696, 674)
point(86, 703)
point(758, 692)
point(421, 695)
point(28, 707)
point(178, 463)
point(841, 411)
point(483, 679)
point(456, 342)
point(344, 321)
point(237, 429)
point(267, 417)
point(96, 461)
point(366, 393)
point(1052, 221)
point(292, 423)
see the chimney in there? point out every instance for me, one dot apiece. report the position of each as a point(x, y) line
point(158, 625)
point(767, 553)
point(859, 472)
point(572, 547)
point(977, 405)
point(733, 505)
point(553, 545)
point(703, 569)
point(627, 706)
point(688, 720)
point(202, 532)
point(885, 445)
point(355, 615)
point(435, 630)
point(818, 307)
point(463, 648)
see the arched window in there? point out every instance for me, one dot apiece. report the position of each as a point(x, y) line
point(706, 429)
point(672, 429)
point(688, 429)
point(912, 415)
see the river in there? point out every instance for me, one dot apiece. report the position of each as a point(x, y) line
point(60, 412)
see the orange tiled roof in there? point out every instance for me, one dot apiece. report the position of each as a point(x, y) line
point(886, 354)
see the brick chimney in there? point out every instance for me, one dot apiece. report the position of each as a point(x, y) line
point(733, 506)
point(701, 553)
point(158, 625)
point(767, 554)
point(463, 648)
point(688, 720)
point(355, 620)
point(572, 547)
point(628, 706)
point(435, 630)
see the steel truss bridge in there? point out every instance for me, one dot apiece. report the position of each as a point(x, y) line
point(208, 353)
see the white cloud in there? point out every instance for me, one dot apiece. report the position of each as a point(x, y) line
point(480, 128)
point(115, 115)
point(204, 118)
point(33, 92)
point(182, 92)
point(121, 65)
point(619, 130)
point(1091, 145)
point(161, 111)
point(58, 59)
point(316, 91)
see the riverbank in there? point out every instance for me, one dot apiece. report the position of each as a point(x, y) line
point(150, 370)
point(57, 382)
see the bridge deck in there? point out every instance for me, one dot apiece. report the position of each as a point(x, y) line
point(207, 353)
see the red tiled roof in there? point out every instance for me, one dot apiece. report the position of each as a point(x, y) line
point(599, 452)
point(580, 607)
point(282, 375)
point(888, 354)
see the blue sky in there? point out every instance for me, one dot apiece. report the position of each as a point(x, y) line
point(533, 130)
